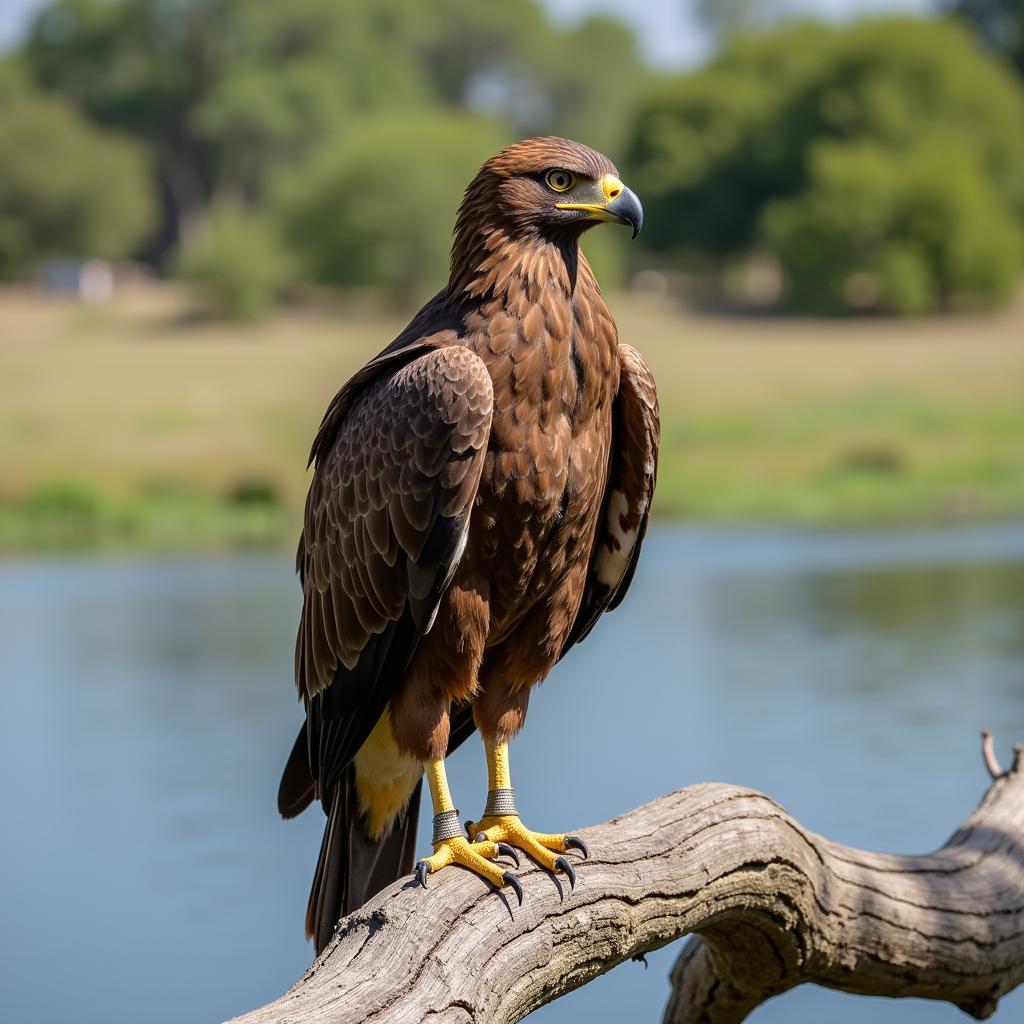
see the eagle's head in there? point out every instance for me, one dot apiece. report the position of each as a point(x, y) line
point(551, 187)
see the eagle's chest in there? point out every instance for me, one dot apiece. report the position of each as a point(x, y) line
point(555, 375)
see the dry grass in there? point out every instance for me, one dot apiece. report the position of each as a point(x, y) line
point(782, 419)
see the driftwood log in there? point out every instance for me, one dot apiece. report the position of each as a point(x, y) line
point(768, 906)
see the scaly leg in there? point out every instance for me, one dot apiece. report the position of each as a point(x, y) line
point(452, 847)
point(501, 822)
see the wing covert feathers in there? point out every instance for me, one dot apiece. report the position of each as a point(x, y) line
point(396, 482)
point(636, 432)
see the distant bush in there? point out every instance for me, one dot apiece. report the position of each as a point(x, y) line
point(66, 514)
point(377, 211)
point(875, 230)
point(67, 188)
point(254, 491)
point(889, 154)
point(238, 264)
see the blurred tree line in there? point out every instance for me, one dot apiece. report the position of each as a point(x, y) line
point(312, 137)
point(248, 145)
point(1000, 23)
point(882, 164)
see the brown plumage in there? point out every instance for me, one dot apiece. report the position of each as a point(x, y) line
point(480, 496)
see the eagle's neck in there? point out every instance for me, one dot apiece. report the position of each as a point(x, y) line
point(532, 310)
point(489, 260)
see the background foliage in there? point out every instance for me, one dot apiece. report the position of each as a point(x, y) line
point(880, 166)
point(363, 215)
point(66, 185)
point(853, 155)
point(297, 167)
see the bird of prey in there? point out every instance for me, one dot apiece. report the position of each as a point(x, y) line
point(480, 495)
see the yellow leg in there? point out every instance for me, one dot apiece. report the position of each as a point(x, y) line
point(451, 845)
point(501, 822)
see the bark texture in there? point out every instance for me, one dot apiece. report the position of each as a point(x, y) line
point(769, 906)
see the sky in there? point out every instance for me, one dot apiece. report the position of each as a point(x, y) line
point(667, 29)
point(671, 35)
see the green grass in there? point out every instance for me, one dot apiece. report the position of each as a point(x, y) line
point(74, 515)
point(138, 427)
point(878, 457)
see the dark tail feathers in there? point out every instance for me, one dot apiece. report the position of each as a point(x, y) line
point(297, 788)
point(352, 866)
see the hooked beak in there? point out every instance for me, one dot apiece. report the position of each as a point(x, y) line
point(615, 203)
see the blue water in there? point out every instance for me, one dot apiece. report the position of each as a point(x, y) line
point(146, 708)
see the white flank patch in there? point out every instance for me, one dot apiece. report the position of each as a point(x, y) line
point(459, 552)
point(611, 565)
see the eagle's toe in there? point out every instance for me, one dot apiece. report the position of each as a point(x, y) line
point(478, 857)
point(508, 830)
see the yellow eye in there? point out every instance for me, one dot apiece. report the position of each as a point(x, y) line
point(559, 181)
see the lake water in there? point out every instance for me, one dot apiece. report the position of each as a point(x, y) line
point(146, 708)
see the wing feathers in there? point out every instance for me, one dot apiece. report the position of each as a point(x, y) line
point(636, 432)
point(386, 521)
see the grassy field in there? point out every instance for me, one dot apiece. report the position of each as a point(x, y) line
point(130, 425)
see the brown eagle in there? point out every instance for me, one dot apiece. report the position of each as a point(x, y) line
point(480, 496)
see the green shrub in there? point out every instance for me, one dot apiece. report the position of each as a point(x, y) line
point(67, 188)
point(66, 514)
point(238, 264)
point(377, 211)
point(254, 491)
point(891, 149)
point(892, 232)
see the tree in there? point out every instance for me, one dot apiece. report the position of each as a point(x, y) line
point(223, 91)
point(67, 188)
point(594, 74)
point(237, 262)
point(881, 231)
point(1000, 23)
point(231, 95)
point(714, 152)
point(364, 216)
point(725, 18)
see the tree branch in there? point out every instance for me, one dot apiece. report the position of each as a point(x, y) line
point(770, 904)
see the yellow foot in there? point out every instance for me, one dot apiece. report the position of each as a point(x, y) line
point(478, 857)
point(539, 846)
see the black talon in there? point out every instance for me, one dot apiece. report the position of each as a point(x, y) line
point(480, 838)
point(508, 851)
point(568, 869)
point(575, 843)
point(509, 879)
point(421, 873)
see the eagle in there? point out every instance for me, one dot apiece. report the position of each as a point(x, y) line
point(480, 495)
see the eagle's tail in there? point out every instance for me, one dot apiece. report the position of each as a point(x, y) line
point(353, 866)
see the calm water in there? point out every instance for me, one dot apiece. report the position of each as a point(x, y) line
point(146, 708)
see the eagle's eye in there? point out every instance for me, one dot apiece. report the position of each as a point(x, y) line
point(559, 181)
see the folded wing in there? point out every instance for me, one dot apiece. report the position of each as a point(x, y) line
point(397, 469)
point(633, 470)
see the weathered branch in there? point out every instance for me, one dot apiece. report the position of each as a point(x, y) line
point(770, 904)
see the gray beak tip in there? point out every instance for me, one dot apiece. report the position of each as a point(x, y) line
point(627, 210)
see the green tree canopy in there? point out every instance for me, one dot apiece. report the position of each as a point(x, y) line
point(999, 22)
point(726, 18)
point(237, 262)
point(713, 152)
point(885, 231)
point(231, 94)
point(67, 188)
point(365, 215)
